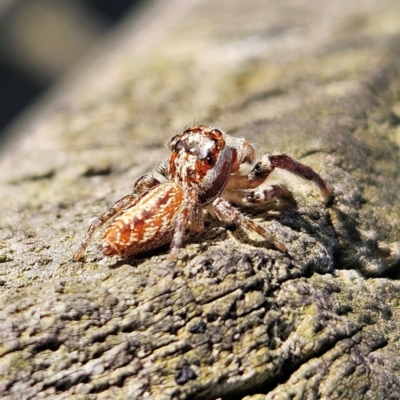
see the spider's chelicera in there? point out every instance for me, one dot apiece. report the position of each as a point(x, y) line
point(202, 172)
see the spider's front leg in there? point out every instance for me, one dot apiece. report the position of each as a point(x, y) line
point(143, 184)
point(269, 162)
point(260, 196)
point(225, 212)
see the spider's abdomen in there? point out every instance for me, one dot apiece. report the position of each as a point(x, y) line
point(150, 223)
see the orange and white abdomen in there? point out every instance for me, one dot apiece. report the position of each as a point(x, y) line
point(150, 223)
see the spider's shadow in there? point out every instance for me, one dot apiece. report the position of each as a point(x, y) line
point(137, 259)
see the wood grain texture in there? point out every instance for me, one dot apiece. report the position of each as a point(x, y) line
point(319, 81)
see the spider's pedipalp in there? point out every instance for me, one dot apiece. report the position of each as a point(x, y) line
point(243, 151)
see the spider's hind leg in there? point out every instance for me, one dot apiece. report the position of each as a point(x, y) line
point(116, 209)
point(142, 185)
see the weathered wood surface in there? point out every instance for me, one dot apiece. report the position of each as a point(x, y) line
point(318, 80)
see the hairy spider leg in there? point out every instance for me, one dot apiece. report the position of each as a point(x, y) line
point(190, 212)
point(269, 162)
point(143, 184)
point(116, 209)
point(225, 212)
point(239, 189)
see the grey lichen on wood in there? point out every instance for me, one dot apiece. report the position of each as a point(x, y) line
point(320, 82)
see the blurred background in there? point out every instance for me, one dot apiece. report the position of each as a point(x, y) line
point(41, 39)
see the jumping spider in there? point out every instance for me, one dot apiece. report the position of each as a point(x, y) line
point(202, 172)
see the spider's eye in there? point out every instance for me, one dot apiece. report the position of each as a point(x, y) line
point(174, 143)
point(210, 160)
point(177, 145)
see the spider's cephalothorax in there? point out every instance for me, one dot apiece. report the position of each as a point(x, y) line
point(202, 172)
point(202, 158)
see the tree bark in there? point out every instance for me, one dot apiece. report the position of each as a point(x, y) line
point(319, 81)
